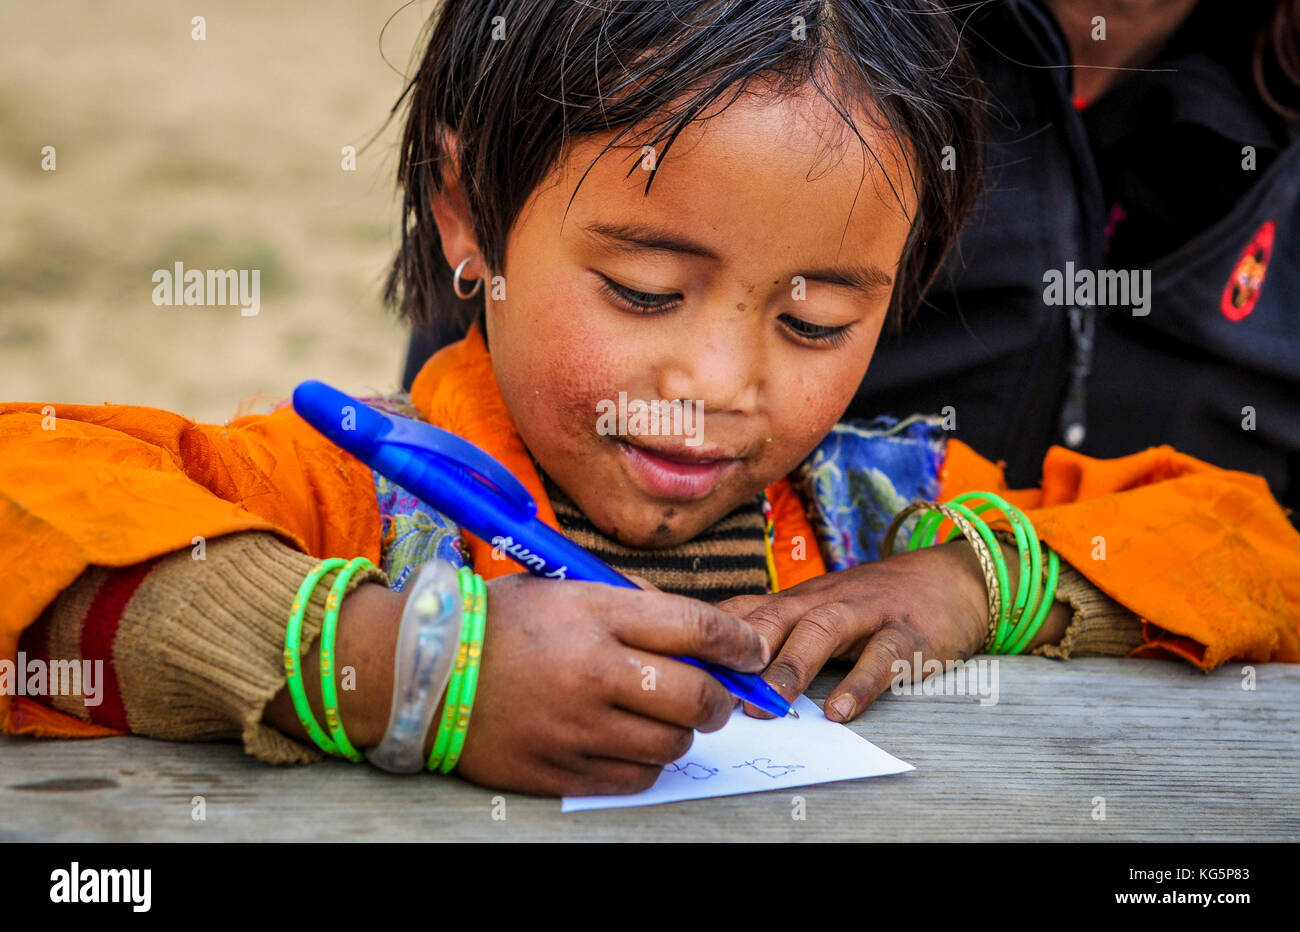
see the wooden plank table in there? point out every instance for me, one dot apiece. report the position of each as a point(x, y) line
point(1176, 755)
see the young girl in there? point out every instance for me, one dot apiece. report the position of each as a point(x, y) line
point(747, 272)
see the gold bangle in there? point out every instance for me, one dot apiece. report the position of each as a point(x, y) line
point(982, 555)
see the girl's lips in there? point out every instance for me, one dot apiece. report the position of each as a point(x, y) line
point(676, 477)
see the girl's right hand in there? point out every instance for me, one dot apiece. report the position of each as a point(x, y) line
point(578, 693)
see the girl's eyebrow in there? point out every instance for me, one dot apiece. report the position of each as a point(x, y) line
point(633, 238)
point(869, 279)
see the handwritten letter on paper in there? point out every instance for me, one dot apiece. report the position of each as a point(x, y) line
point(749, 755)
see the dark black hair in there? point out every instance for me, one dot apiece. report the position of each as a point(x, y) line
point(564, 69)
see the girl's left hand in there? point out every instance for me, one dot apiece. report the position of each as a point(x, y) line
point(932, 600)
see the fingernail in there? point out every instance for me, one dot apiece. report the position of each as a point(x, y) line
point(843, 707)
point(767, 652)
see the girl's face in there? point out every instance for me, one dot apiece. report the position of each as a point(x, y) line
point(750, 285)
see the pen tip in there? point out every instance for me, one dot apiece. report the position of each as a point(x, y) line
point(792, 714)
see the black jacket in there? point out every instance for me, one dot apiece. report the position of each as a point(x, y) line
point(1165, 145)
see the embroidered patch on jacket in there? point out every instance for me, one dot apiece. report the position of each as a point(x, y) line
point(1242, 291)
point(861, 475)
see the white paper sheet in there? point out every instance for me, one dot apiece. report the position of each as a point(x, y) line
point(750, 755)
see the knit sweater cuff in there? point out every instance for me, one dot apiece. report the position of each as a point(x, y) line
point(199, 647)
point(1101, 627)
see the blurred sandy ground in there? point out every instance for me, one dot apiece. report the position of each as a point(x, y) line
point(222, 153)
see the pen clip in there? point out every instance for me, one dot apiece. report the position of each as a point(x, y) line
point(423, 437)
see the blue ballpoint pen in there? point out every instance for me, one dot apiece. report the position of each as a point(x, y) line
point(484, 497)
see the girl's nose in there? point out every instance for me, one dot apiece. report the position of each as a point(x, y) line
point(724, 374)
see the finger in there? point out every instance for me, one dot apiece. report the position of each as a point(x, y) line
point(773, 617)
point(599, 776)
point(815, 638)
point(641, 740)
point(741, 605)
point(872, 673)
point(547, 779)
point(669, 691)
point(675, 625)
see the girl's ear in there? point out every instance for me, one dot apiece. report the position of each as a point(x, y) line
point(451, 213)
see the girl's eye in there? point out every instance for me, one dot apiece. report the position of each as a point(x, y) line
point(640, 302)
point(832, 336)
point(643, 302)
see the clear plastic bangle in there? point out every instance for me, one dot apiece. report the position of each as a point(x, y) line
point(427, 640)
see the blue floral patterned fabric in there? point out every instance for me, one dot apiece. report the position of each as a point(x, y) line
point(411, 532)
point(861, 475)
point(853, 483)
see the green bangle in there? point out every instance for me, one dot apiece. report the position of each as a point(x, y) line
point(1049, 597)
point(1017, 622)
point(329, 627)
point(1023, 553)
point(1042, 595)
point(1018, 610)
point(932, 522)
point(470, 684)
point(995, 577)
point(1028, 588)
point(1037, 606)
point(293, 658)
point(451, 702)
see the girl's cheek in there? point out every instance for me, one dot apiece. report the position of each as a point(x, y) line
point(561, 367)
point(577, 369)
point(806, 410)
